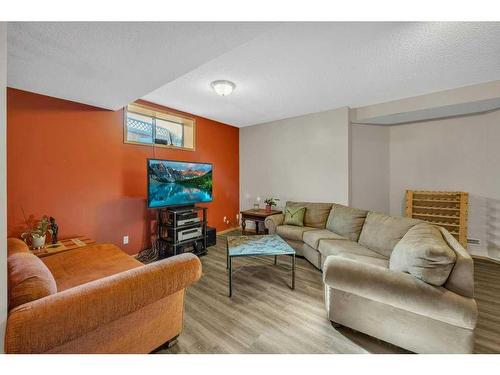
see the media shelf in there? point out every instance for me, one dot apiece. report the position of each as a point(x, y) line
point(181, 230)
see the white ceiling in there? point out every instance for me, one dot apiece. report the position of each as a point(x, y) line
point(110, 64)
point(280, 70)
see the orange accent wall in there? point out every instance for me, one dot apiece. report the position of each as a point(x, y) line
point(68, 160)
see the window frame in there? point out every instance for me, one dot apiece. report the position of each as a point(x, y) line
point(155, 110)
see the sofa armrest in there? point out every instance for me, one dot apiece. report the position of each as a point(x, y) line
point(400, 290)
point(271, 222)
point(461, 279)
point(38, 326)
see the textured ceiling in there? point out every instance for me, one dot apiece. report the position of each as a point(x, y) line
point(110, 64)
point(280, 70)
point(310, 67)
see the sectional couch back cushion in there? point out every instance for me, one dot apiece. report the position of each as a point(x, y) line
point(381, 232)
point(423, 253)
point(316, 213)
point(346, 221)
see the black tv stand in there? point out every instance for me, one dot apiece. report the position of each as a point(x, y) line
point(180, 208)
point(182, 229)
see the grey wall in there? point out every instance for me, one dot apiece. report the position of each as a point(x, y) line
point(301, 158)
point(370, 167)
point(461, 153)
point(3, 186)
point(320, 157)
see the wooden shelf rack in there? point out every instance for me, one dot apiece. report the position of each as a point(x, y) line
point(448, 209)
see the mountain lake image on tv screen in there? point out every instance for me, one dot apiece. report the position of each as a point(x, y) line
point(173, 183)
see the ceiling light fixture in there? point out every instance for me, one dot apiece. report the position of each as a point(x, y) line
point(223, 87)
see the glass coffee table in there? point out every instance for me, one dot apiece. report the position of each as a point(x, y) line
point(258, 245)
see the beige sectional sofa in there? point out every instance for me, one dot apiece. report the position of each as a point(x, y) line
point(401, 280)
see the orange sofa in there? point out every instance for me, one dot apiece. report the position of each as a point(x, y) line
point(95, 299)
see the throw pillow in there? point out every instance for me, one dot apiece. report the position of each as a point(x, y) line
point(295, 216)
point(423, 253)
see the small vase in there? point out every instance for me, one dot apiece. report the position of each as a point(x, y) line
point(269, 208)
point(38, 242)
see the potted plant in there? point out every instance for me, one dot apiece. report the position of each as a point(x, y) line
point(37, 233)
point(270, 203)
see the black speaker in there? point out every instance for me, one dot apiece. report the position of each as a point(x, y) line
point(211, 236)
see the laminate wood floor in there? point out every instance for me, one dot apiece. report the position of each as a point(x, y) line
point(487, 294)
point(266, 316)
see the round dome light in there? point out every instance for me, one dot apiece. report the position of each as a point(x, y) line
point(223, 87)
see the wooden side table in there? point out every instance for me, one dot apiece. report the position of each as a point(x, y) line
point(257, 216)
point(63, 245)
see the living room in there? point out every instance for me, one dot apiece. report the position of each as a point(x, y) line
point(285, 187)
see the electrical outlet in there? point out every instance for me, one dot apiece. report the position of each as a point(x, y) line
point(125, 240)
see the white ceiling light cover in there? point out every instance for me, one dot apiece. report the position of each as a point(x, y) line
point(223, 87)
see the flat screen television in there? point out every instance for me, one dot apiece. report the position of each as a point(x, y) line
point(178, 183)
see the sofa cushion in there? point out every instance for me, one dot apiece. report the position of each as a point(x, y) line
point(29, 279)
point(80, 266)
point(423, 253)
point(366, 259)
point(346, 221)
point(351, 250)
point(313, 237)
point(292, 232)
point(15, 245)
point(316, 213)
point(334, 247)
point(381, 232)
point(294, 216)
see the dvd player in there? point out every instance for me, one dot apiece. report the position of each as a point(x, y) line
point(187, 234)
point(192, 220)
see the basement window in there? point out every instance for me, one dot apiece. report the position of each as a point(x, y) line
point(149, 126)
